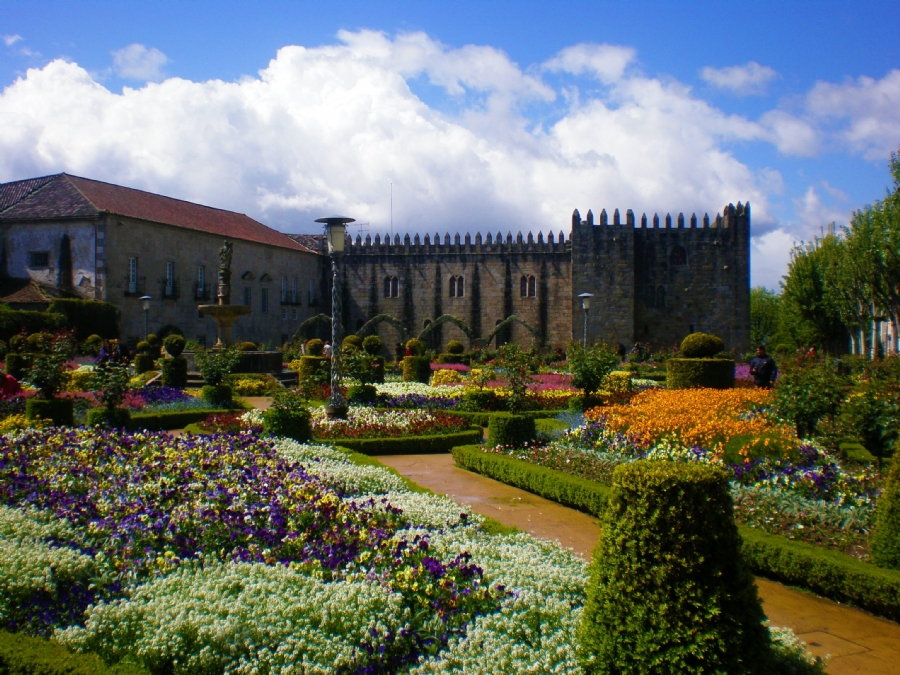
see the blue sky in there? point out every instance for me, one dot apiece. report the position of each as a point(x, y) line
point(484, 116)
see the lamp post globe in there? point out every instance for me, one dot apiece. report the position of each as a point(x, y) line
point(335, 233)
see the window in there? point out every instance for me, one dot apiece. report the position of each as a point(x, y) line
point(132, 275)
point(170, 280)
point(457, 287)
point(38, 259)
point(201, 282)
point(264, 300)
point(679, 256)
point(527, 286)
point(248, 296)
point(294, 290)
point(294, 313)
point(284, 295)
point(284, 313)
point(391, 287)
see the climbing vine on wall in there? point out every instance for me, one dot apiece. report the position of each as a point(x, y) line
point(475, 300)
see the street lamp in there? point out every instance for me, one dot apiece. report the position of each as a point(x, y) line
point(585, 305)
point(145, 303)
point(335, 231)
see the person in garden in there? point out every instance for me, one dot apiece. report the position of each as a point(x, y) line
point(327, 350)
point(762, 368)
point(105, 352)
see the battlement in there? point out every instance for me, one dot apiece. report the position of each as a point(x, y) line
point(730, 216)
point(458, 244)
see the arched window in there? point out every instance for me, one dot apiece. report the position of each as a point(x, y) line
point(527, 286)
point(457, 287)
point(661, 297)
point(679, 256)
point(391, 287)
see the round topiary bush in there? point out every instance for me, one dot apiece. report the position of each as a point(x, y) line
point(315, 347)
point(174, 345)
point(352, 342)
point(373, 345)
point(247, 347)
point(115, 418)
point(142, 347)
point(455, 347)
point(38, 342)
point(217, 395)
point(92, 345)
point(155, 345)
point(669, 591)
point(416, 347)
point(142, 363)
point(510, 430)
point(362, 394)
point(700, 346)
point(885, 540)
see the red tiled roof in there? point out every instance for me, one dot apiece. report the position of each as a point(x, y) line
point(65, 196)
point(22, 291)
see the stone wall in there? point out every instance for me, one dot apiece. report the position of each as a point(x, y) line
point(20, 240)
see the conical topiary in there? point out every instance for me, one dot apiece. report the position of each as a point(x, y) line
point(669, 591)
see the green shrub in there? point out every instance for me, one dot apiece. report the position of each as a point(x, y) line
point(808, 391)
point(143, 347)
point(700, 346)
point(352, 342)
point(217, 395)
point(174, 371)
point(509, 429)
point(668, 590)
point(373, 345)
point(87, 317)
point(315, 347)
point(248, 347)
point(142, 363)
point(117, 418)
point(153, 340)
point(110, 381)
point(455, 347)
point(589, 367)
point(12, 321)
point(92, 345)
point(584, 403)
point(416, 369)
point(216, 364)
point(416, 347)
point(451, 358)
point(310, 367)
point(617, 380)
point(22, 654)
point(884, 544)
point(17, 365)
point(288, 417)
point(362, 394)
point(481, 400)
point(80, 380)
point(60, 411)
point(689, 373)
point(49, 364)
point(410, 445)
point(39, 342)
point(174, 345)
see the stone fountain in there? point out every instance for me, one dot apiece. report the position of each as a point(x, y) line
point(224, 313)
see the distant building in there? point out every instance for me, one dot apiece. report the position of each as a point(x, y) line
point(76, 237)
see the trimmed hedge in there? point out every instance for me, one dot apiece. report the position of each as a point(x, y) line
point(142, 362)
point(311, 365)
point(509, 429)
point(689, 373)
point(117, 418)
point(416, 369)
point(174, 371)
point(701, 346)
point(88, 317)
point(884, 544)
point(364, 394)
point(217, 395)
point(828, 573)
point(22, 654)
point(409, 445)
point(12, 321)
point(163, 421)
point(574, 491)
point(284, 419)
point(60, 411)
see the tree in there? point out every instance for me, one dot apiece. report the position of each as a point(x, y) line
point(589, 367)
point(765, 316)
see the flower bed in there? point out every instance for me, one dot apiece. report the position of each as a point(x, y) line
point(365, 422)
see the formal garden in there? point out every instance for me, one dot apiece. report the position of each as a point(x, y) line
point(274, 541)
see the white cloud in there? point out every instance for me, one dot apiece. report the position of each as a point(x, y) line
point(790, 134)
point(605, 62)
point(137, 62)
point(866, 110)
point(10, 40)
point(748, 80)
point(814, 217)
point(327, 129)
point(769, 257)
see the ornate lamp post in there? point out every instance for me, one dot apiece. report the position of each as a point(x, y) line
point(335, 231)
point(145, 303)
point(586, 306)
